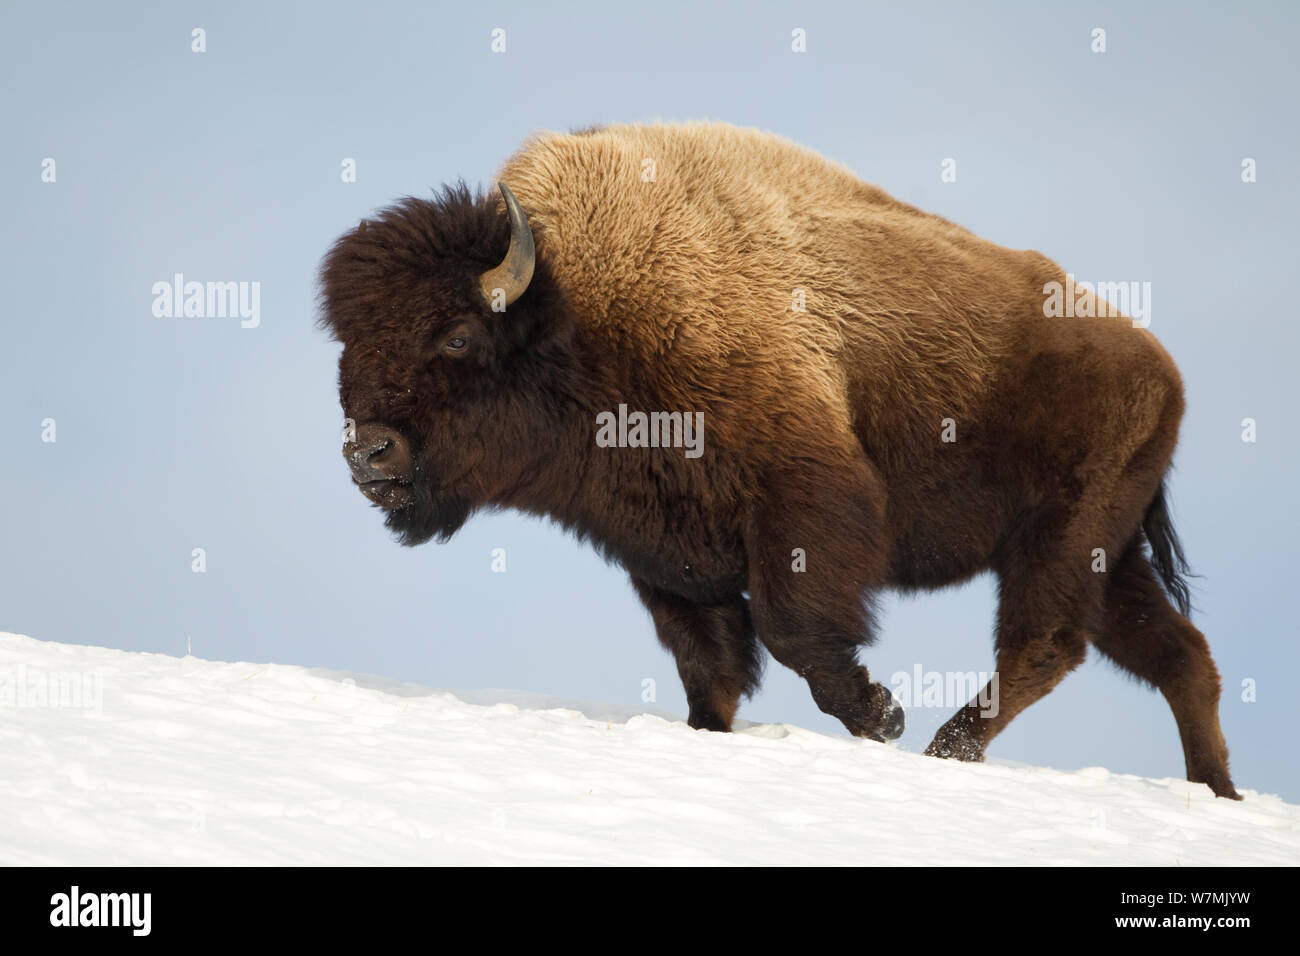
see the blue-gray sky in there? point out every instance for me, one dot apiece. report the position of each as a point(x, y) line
point(176, 434)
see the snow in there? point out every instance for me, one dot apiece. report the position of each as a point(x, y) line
point(150, 759)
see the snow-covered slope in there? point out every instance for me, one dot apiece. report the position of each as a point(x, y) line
point(154, 759)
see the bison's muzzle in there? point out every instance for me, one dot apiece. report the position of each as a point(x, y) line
point(381, 463)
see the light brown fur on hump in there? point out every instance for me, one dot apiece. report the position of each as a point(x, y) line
point(907, 317)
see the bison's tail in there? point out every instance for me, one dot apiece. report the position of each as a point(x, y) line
point(1167, 552)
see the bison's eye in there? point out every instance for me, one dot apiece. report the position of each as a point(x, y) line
point(454, 342)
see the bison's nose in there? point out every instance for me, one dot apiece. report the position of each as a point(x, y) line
point(378, 453)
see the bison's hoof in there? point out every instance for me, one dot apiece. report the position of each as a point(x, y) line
point(1219, 782)
point(955, 746)
point(707, 720)
point(891, 728)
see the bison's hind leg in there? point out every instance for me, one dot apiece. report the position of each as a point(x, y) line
point(1050, 604)
point(1039, 641)
point(1145, 636)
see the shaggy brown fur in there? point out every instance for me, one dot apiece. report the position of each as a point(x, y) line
point(671, 260)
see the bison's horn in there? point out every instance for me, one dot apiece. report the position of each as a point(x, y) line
point(516, 269)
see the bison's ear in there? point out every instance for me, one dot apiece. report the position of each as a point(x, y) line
point(508, 280)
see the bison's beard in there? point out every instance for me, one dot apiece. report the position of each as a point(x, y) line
point(428, 513)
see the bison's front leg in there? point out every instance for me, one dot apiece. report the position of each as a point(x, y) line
point(716, 650)
point(816, 551)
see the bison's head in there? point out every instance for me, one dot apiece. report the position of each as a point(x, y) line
point(445, 360)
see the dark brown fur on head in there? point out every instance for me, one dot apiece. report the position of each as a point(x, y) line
point(394, 291)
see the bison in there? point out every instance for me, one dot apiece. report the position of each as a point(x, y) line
point(884, 403)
